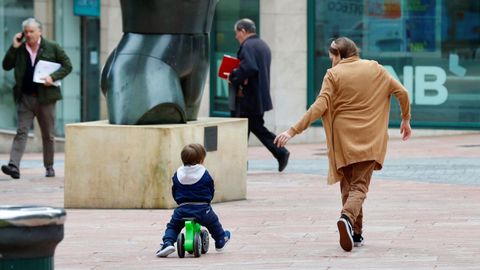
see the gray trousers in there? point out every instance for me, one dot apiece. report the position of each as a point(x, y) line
point(27, 110)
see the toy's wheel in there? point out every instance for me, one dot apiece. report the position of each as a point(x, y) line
point(197, 245)
point(205, 241)
point(180, 245)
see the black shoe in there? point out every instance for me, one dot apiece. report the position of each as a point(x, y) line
point(358, 240)
point(11, 170)
point(50, 172)
point(283, 161)
point(345, 231)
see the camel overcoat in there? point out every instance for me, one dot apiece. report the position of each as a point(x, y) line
point(354, 105)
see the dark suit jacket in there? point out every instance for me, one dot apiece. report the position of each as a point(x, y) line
point(49, 51)
point(255, 58)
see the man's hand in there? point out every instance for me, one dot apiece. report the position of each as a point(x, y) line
point(17, 40)
point(48, 81)
point(405, 130)
point(282, 139)
point(228, 77)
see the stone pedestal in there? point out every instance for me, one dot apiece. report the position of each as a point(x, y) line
point(119, 166)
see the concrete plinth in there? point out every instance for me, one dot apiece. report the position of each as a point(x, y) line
point(119, 166)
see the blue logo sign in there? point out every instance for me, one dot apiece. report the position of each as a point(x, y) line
point(86, 8)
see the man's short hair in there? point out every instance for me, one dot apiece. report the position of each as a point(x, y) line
point(245, 24)
point(31, 21)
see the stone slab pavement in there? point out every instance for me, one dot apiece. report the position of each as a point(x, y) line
point(422, 212)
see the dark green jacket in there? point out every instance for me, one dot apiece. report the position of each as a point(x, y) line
point(49, 51)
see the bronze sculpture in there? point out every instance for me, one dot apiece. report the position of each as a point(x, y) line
point(157, 73)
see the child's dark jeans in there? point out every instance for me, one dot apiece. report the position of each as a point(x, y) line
point(204, 215)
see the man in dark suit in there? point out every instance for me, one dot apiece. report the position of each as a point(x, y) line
point(251, 81)
point(34, 99)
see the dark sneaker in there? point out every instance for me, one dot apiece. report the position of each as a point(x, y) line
point(11, 170)
point(345, 232)
point(220, 244)
point(358, 240)
point(283, 161)
point(166, 249)
point(50, 172)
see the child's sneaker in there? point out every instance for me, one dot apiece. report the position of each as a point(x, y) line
point(345, 231)
point(358, 240)
point(220, 244)
point(167, 249)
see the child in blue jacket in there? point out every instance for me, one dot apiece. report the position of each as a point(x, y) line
point(193, 190)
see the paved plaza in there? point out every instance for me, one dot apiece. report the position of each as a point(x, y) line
point(422, 212)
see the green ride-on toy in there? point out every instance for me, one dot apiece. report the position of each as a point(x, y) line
point(195, 240)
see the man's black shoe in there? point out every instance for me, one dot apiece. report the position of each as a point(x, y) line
point(11, 170)
point(283, 161)
point(50, 172)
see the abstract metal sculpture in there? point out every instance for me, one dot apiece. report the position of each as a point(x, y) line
point(157, 73)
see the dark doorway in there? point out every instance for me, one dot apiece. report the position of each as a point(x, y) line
point(90, 82)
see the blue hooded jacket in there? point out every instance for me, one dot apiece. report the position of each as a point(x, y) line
point(192, 184)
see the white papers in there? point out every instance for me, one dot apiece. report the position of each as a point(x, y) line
point(44, 69)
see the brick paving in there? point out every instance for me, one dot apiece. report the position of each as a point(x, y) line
point(422, 212)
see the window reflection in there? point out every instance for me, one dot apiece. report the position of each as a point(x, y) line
point(223, 42)
point(12, 13)
point(431, 46)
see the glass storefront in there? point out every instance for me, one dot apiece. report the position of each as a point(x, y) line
point(12, 14)
point(431, 46)
point(67, 34)
point(222, 41)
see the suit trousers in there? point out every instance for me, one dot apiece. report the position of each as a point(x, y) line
point(27, 109)
point(256, 125)
point(354, 187)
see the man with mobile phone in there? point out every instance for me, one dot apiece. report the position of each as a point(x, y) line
point(34, 99)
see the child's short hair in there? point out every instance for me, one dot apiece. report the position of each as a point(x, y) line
point(193, 154)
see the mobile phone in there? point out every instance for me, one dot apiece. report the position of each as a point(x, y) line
point(21, 37)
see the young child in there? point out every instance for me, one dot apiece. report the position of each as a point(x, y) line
point(193, 190)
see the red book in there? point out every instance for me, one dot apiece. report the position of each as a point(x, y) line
point(229, 63)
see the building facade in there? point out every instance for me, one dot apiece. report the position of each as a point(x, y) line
point(431, 46)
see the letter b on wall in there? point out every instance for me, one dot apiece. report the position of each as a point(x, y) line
point(437, 92)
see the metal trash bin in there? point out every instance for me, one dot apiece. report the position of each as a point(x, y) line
point(29, 235)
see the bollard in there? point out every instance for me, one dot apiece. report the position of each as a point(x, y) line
point(29, 235)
